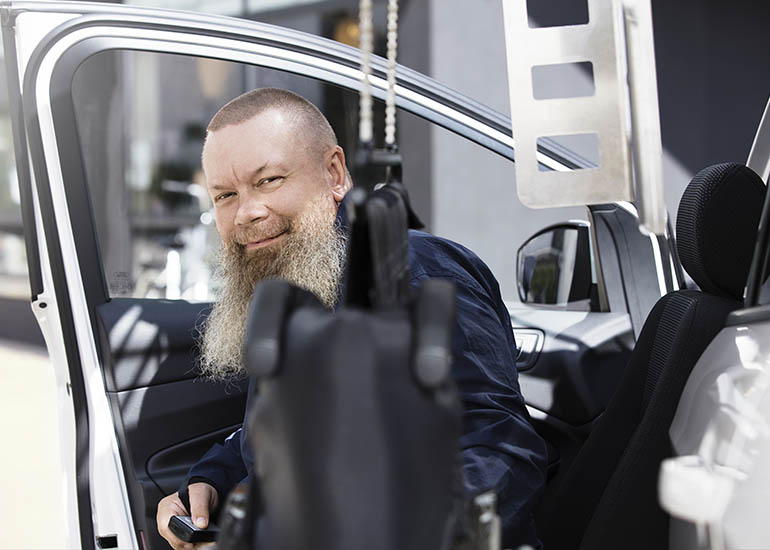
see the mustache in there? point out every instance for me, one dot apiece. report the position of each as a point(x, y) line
point(261, 231)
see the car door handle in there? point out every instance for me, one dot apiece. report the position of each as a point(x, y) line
point(529, 344)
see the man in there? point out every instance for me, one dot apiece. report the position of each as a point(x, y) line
point(277, 177)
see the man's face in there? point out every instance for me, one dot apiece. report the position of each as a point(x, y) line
point(275, 201)
point(262, 175)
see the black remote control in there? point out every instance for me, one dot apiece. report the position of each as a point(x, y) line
point(185, 529)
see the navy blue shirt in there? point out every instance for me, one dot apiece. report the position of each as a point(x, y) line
point(500, 448)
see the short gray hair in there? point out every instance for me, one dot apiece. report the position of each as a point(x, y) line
point(309, 120)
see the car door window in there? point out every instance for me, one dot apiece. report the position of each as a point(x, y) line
point(141, 120)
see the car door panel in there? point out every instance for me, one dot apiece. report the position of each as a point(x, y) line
point(159, 423)
point(148, 342)
point(168, 467)
point(636, 268)
point(168, 416)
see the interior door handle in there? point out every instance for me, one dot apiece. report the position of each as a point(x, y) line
point(529, 344)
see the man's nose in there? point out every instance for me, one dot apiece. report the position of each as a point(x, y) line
point(250, 210)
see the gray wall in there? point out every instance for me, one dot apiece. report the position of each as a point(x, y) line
point(713, 82)
point(474, 198)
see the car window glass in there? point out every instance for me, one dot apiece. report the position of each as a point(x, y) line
point(141, 121)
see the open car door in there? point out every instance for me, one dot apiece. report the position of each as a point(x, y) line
point(120, 241)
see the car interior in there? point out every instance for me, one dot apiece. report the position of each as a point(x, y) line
point(607, 498)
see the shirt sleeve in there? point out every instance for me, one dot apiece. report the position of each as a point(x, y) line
point(222, 467)
point(500, 448)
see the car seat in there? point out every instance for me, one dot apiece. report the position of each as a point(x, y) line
point(607, 499)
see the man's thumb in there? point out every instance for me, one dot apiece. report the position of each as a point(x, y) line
point(199, 507)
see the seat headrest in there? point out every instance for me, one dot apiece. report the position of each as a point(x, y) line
point(716, 227)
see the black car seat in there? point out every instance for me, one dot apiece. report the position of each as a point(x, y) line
point(607, 498)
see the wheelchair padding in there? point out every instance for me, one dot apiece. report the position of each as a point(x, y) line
point(717, 226)
point(352, 451)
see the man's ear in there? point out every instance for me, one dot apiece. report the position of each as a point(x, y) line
point(339, 180)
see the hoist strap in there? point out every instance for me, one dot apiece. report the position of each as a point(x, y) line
point(366, 30)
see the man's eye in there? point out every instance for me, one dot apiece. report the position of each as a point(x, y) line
point(222, 196)
point(270, 180)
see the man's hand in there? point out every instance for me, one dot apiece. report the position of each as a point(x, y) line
point(203, 501)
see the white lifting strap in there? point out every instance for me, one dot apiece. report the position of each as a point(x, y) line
point(365, 129)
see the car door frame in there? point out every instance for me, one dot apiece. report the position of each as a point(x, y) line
point(67, 280)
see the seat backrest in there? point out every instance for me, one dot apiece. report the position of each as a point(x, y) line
point(608, 497)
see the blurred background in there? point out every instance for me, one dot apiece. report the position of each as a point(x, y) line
point(142, 120)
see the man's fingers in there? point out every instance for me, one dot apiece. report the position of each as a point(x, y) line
point(171, 505)
point(203, 500)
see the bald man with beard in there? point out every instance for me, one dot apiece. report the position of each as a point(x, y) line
point(277, 177)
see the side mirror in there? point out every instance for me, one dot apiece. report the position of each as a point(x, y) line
point(554, 268)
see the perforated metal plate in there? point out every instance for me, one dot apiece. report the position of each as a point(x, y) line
point(606, 115)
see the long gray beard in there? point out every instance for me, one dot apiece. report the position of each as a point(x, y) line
point(312, 257)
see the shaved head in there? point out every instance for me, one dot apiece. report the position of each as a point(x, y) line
point(311, 125)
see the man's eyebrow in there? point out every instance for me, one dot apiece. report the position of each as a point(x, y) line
point(217, 186)
point(268, 167)
point(251, 176)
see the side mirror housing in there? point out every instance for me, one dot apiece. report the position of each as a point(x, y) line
point(555, 268)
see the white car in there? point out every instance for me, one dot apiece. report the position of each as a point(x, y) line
point(119, 241)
